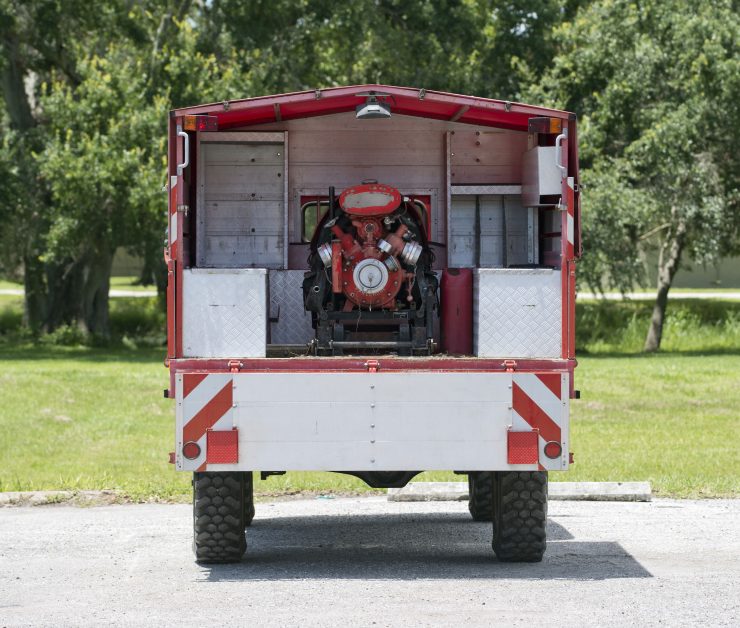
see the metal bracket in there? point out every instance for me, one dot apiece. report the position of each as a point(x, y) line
point(372, 366)
point(235, 366)
point(510, 365)
point(183, 209)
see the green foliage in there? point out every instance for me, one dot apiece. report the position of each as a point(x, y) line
point(656, 85)
point(134, 321)
point(691, 325)
point(482, 47)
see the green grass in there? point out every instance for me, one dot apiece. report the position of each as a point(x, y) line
point(131, 284)
point(86, 418)
point(10, 285)
point(118, 283)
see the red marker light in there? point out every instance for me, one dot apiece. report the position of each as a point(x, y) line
point(191, 450)
point(553, 449)
point(200, 123)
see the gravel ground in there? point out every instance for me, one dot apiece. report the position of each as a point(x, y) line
point(365, 561)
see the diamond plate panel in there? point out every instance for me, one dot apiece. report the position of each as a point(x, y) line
point(517, 313)
point(224, 313)
point(293, 324)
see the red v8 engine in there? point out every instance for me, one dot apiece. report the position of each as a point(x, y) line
point(371, 286)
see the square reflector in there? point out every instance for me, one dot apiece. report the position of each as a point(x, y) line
point(523, 447)
point(222, 446)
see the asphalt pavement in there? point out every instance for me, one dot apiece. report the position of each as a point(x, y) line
point(369, 562)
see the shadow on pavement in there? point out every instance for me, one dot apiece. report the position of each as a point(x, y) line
point(410, 547)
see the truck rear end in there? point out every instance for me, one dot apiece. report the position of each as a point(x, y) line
point(377, 281)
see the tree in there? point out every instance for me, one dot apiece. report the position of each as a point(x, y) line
point(482, 47)
point(35, 42)
point(84, 142)
point(657, 87)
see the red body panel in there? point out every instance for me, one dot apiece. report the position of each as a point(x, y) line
point(457, 311)
point(405, 101)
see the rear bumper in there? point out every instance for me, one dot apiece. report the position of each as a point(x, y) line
point(371, 421)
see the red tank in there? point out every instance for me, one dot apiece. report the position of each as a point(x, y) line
point(457, 311)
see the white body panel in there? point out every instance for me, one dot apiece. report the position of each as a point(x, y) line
point(540, 175)
point(517, 313)
point(373, 421)
point(224, 312)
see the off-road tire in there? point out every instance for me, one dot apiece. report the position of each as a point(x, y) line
point(248, 499)
point(519, 515)
point(219, 517)
point(480, 495)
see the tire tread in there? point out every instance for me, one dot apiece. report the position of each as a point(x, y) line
point(520, 515)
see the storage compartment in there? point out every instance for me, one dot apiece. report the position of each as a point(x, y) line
point(492, 231)
point(224, 313)
point(517, 313)
point(241, 221)
point(483, 201)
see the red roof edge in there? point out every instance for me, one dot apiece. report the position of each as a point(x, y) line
point(403, 100)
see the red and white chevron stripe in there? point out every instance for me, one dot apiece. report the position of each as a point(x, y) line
point(540, 402)
point(206, 402)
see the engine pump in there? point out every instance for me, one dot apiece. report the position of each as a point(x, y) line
point(371, 287)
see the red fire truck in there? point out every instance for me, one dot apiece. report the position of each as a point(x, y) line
point(376, 281)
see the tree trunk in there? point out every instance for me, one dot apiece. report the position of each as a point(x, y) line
point(668, 261)
point(34, 304)
point(154, 270)
point(14, 90)
point(94, 316)
point(63, 293)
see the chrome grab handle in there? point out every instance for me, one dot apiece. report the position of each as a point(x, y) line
point(186, 151)
point(559, 154)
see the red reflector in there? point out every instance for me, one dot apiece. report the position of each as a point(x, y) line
point(191, 450)
point(523, 447)
point(222, 446)
point(553, 449)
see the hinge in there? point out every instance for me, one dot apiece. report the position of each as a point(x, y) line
point(235, 366)
point(372, 366)
point(510, 365)
point(183, 209)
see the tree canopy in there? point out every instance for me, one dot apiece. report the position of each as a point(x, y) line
point(656, 85)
